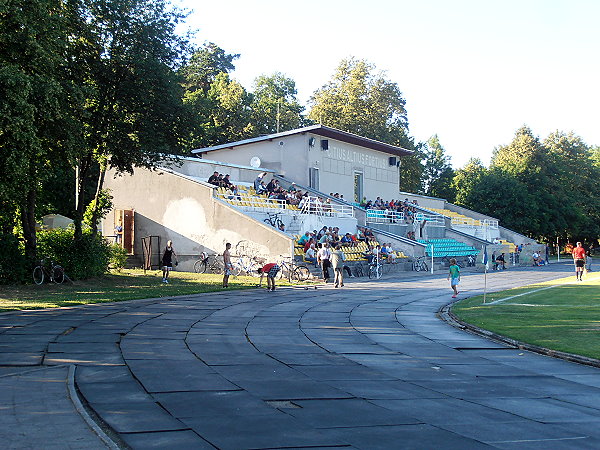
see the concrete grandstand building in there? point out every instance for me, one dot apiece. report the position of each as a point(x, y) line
point(176, 202)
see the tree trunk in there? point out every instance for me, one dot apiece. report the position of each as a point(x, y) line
point(96, 211)
point(28, 222)
point(84, 166)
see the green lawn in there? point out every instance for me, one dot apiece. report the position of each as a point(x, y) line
point(564, 318)
point(117, 286)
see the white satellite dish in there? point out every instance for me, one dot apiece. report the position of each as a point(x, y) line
point(255, 162)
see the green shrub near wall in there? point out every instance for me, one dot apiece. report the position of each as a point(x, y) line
point(89, 257)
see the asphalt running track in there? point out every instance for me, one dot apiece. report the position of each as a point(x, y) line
point(367, 366)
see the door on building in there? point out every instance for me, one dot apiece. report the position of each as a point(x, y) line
point(358, 187)
point(313, 178)
point(124, 218)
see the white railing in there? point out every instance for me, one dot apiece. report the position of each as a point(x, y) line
point(312, 205)
point(470, 222)
point(395, 217)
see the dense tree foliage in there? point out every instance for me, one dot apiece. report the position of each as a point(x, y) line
point(544, 189)
point(275, 106)
point(437, 171)
point(94, 84)
point(361, 100)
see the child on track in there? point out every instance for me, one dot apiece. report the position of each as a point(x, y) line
point(270, 270)
point(454, 276)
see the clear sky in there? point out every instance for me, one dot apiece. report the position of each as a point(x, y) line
point(471, 71)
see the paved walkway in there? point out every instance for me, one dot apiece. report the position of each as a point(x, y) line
point(368, 366)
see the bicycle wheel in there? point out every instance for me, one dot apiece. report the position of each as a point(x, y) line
point(200, 266)
point(300, 273)
point(424, 266)
point(417, 266)
point(217, 267)
point(358, 271)
point(38, 275)
point(371, 272)
point(378, 271)
point(58, 274)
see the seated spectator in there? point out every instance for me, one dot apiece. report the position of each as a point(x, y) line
point(273, 185)
point(304, 238)
point(258, 183)
point(391, 254)
point(347, 240)
point(262, 189)
point(308, 244)
point(214, 179)
point(361, 234)
point(311, 255)
point(501, 262)
point(369, 236)
point(229, 185)
point(537, 259)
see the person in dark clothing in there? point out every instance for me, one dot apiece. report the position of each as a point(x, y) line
point(214, 179)
point(167, 261)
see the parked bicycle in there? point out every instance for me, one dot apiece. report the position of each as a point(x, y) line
point(419, 264)
point(50, 271)
point(293, 271)
point(358, 271)
point(274, 220)
point(246, 265)
point(209, 263)
point(375, 268)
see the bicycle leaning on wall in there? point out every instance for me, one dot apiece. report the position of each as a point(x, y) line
point(209, 263)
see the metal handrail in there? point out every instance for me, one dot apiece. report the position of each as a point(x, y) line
point(312, 205)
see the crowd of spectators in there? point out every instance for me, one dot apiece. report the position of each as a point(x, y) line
point(313, 241)
point(408, 208)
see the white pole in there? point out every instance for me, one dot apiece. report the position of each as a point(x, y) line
point(432, 258)
point(485, 268)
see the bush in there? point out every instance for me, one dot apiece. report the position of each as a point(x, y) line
point(13, 264)
point(89, 257)
point(118, 256)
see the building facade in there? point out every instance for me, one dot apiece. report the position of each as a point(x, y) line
point(323, 158)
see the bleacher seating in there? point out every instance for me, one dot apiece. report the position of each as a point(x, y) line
point(355, 253)
point(457, 218)
point(448, 247)
point(511, 247)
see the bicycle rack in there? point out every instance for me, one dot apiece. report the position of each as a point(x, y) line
point(149, 243)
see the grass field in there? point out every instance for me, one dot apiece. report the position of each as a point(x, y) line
point(117, 286)
point(561, 315)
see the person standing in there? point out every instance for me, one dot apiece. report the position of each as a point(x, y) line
point(454, 276)
point(167, 261)
point(270, 270)
point(323, 258)
point(227, 265)
point(579, 260)
point(337, 262)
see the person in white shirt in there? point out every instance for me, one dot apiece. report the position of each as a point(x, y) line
point(311, 254)
point(324, 259)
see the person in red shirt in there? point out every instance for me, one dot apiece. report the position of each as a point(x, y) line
point(579, 259)
point(270, 270)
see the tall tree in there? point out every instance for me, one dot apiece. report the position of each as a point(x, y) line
point(361, 100)
point(528, 161)
point(135, 111)
point(275, 106)
point(437, 170)
point(577, 177)
point(204, 65)
point(39, 107)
